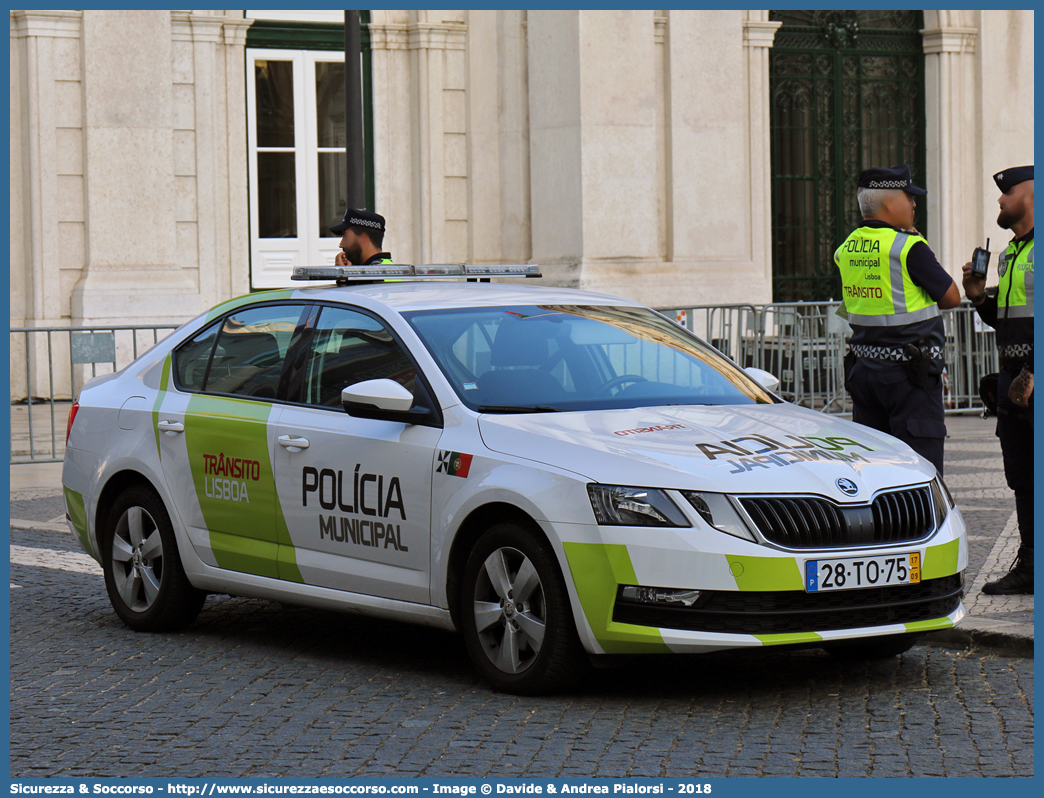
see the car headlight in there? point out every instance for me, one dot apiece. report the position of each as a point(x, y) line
point(943, 500)
point(719, 512)
point(617, 505)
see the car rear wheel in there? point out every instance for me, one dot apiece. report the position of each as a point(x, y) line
point(516, 616)
point(144, 577)
point(869, 648)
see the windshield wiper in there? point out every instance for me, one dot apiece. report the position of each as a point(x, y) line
point(517, 409)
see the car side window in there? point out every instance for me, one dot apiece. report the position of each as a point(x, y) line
point(193, 357)
point(242, 355)
point(350, 347)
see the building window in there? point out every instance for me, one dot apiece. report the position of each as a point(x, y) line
point(296, 138)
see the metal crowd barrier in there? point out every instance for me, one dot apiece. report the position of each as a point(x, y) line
point(49, 366)
point(804, 344)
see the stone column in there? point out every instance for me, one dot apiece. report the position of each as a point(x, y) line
point(46, 236)
point(131, 274)
point(1006, 64)
point(516, 244)
point(1006, 80)
point(482, 154)
point(759, 34)
point(592, 108)
point(497, 138)
point(556, 181)
point(198, 162)
point(437, 61)
point(953, 132)
point(420, 149)
point(394, 131)
point(210, 154)
point(46, 165)
point(237, 200)
point(718, 139)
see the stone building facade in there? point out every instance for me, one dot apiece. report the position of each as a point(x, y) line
point(624, 151)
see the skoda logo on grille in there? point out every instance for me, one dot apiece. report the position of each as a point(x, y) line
point(847, 487)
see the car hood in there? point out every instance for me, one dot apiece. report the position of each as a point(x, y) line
point(778, 448)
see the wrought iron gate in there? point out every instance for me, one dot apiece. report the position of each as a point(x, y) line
point(847, 93)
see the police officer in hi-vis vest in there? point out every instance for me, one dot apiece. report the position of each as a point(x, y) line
point(1009, 310)
point(362, 239)
point(893, 290)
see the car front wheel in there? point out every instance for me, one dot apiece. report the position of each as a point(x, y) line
point(144, 577)
point(516, 615)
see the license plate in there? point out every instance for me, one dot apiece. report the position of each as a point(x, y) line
point(858, 572)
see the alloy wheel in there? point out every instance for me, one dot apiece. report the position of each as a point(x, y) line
point(510, 612)
point(137, 559)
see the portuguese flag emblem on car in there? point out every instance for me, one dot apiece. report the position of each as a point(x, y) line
point(455, 464)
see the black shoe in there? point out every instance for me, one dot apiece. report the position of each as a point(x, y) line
point(1019, 580)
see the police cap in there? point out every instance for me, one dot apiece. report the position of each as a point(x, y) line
point(353, 217)
point(896, 177)
point(1009, 178)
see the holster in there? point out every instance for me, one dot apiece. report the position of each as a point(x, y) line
point(988, 394)
point(918, 366)
point(849, 364)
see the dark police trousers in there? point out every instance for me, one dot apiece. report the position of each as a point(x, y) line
point(1015, 430)
point(887, 400)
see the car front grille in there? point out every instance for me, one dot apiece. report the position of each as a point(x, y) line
point(794, 611)
point(816, 523)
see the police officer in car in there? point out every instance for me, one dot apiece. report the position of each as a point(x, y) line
point(1009, 310)
point(362, 236)
point(894, 290)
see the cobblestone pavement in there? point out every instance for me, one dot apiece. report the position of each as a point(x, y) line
point(255, 689)
point(975, 477)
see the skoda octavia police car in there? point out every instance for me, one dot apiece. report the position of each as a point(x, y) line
point(556, 474)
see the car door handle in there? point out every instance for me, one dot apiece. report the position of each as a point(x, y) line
point(290, 442)
point(173, 427)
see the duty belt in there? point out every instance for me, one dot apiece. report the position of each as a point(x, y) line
point(1015, 351)
point(892, 353)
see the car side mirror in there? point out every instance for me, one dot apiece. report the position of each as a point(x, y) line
point(767, 380)
point(385, 400)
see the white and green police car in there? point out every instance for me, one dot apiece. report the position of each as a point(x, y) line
point(559, 475)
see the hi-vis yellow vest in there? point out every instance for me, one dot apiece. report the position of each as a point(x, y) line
point(877, 288)
point(1015, 295)
point(385, 262)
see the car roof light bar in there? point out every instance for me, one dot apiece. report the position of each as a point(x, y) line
point(432, 271)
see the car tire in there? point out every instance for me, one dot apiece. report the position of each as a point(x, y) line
point(516, 616)
point(871, 648)
point(144, 576)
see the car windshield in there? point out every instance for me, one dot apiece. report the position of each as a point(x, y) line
point(543, 358)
